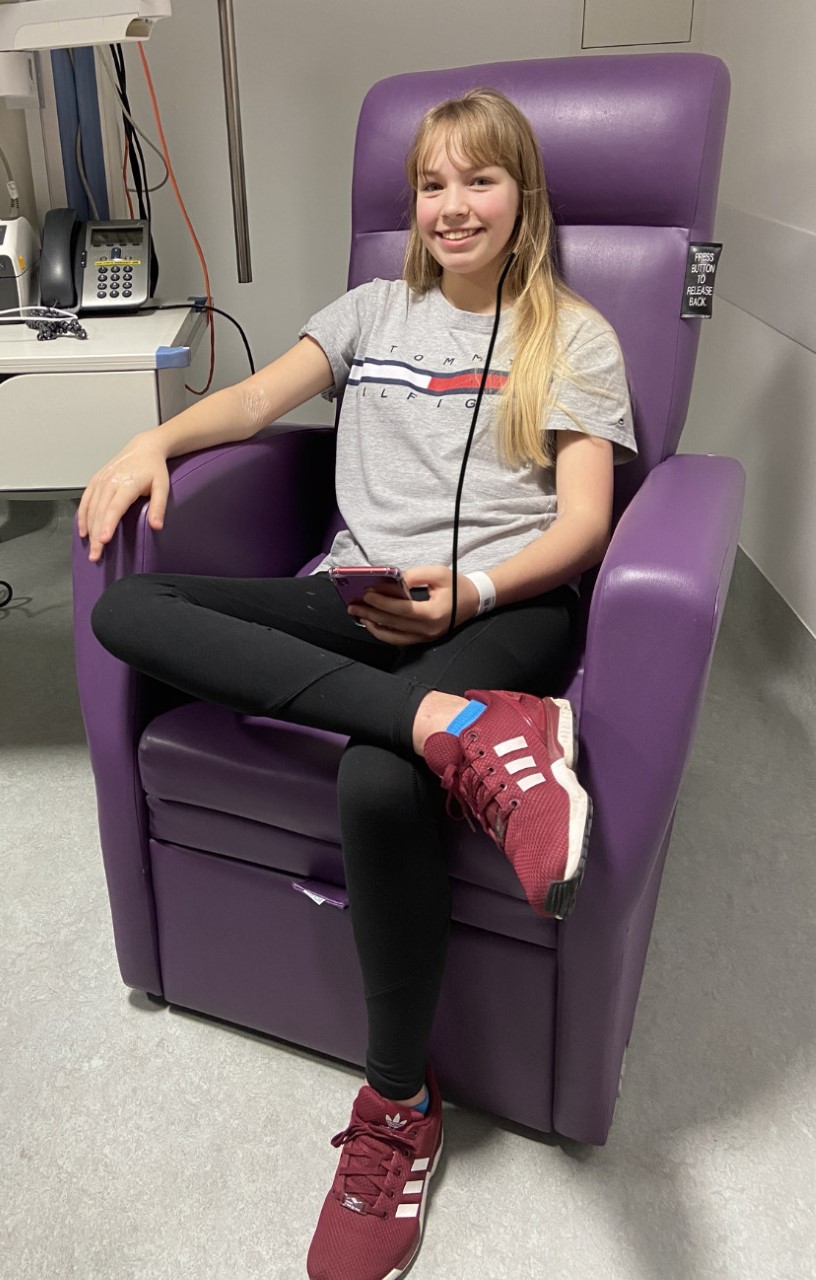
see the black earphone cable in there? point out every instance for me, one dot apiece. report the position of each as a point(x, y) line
point(200, 304)
point(503, 276)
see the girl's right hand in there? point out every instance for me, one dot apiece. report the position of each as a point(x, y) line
point(138, 470)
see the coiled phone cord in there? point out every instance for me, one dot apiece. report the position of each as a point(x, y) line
point(466, 454)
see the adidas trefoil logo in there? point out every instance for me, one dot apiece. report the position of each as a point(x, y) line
point(394, 1122)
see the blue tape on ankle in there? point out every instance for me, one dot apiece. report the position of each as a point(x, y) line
point(466, 716)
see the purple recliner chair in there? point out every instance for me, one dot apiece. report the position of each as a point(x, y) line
point(212, 823)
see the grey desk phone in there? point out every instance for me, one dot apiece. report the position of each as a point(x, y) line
point(94, 266)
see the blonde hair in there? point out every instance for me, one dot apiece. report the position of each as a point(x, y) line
point(488, 129)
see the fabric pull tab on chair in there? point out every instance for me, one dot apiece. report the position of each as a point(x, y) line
point(320, 892)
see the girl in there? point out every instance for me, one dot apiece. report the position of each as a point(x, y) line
point(419, 699)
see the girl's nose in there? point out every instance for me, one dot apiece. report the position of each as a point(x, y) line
point(454, 202)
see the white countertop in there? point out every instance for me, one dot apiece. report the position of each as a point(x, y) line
point(128, 341)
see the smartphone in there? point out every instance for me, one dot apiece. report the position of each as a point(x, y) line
point(352, 581)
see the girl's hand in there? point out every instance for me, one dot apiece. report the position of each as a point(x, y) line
point(397, 621)
point(138, 470)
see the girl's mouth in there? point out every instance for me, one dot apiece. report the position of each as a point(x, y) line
point(458, 238)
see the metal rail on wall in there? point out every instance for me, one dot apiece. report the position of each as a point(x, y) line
point(235, 140)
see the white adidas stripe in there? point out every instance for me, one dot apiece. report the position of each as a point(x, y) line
point(523, 762)
point(532, 781)
point(512, 744)
point(413, 1188)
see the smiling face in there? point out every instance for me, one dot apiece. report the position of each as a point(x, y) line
point(465, 216)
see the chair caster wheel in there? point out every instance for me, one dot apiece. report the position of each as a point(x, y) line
point(5, 593)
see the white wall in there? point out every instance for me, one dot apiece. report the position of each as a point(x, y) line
point(755, 389)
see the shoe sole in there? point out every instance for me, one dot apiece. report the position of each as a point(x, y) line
point(400, 1271)
point(567, 732)
point(561, 894)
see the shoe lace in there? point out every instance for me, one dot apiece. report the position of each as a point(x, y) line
point(370, 1152)
point(461, 778)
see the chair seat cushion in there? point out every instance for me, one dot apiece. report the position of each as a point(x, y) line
point(218, 781)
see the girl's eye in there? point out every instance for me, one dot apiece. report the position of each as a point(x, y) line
point(429, 188)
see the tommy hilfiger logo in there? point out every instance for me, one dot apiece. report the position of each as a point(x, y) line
point(394, 1122)
point(396, 373)
point(520, 762)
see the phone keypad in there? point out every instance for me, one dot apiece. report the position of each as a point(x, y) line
point(110, 280)
point(114, 281)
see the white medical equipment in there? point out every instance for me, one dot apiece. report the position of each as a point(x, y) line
point(19, 259)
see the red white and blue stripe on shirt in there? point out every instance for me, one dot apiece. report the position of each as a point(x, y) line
point(390, 373)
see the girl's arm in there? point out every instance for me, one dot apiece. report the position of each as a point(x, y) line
point(580, 535)
point(236, 413)
point(240, 411)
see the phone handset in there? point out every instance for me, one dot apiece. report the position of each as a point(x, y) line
point(57, 258)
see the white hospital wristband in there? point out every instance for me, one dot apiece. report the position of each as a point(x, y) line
point(487, 592)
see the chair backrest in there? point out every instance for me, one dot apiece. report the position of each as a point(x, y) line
point(632, 147)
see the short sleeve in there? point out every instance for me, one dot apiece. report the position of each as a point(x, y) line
point(599, 398)
point(338, 329)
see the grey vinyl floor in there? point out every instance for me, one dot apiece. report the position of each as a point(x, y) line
point(141, 1143)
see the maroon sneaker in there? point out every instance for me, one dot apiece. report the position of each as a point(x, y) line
point(370, 1226)
point(512, 770)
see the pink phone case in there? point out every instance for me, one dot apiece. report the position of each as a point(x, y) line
point(353, 581)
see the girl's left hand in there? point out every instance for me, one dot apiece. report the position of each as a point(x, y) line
point(397, 621)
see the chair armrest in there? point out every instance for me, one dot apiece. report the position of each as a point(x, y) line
point(252, 509)
point(257, 507)
point(653, 623)
point(655, 614)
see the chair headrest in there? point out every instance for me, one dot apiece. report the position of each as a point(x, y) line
point(626, 140)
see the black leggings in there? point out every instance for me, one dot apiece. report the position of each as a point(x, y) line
point(286, 648)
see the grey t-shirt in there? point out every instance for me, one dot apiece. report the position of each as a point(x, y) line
point(409, 369)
